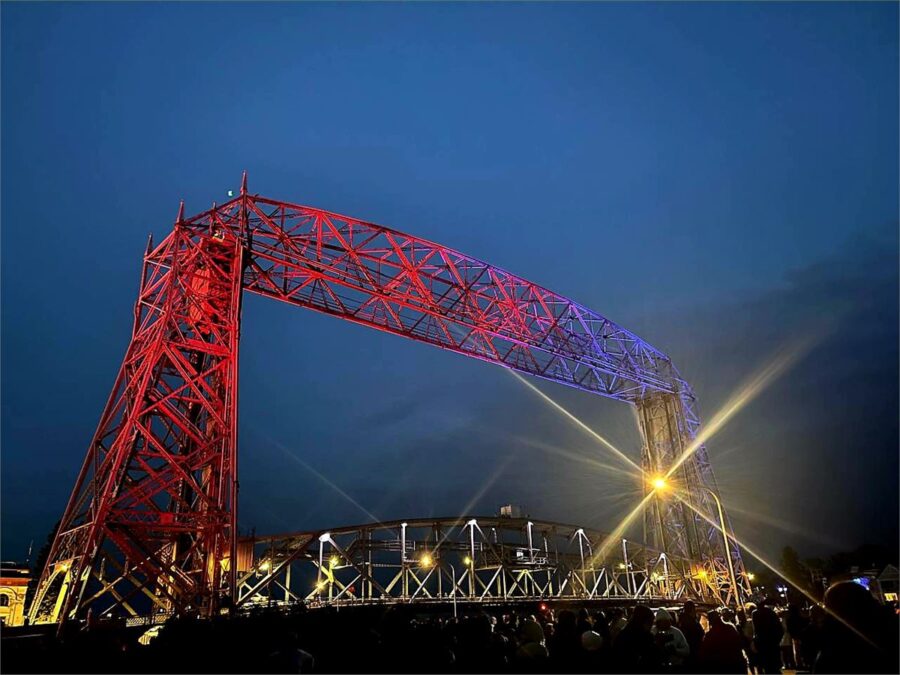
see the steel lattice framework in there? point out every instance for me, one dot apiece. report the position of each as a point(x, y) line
point(471, 559)
point(152, 517)
point(468, 560)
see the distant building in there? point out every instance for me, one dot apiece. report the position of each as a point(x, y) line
point(510, 511)
point(14, 580)
point(889, 580)
point(883, 584)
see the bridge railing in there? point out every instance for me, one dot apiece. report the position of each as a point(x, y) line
point(468, 559)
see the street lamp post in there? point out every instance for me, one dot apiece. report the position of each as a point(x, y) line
point(453, 574)
point(629, 580)
point(734, 587)
point(660, 483)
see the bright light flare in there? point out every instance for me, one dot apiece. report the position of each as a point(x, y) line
point(467, 509)
point(750, 390)
point(426, 560)
point(327, 482)
point(575, 456)
point(581, 425)
point(785, 526)
point(774, 569)
point(659, 483)
point(615, 536)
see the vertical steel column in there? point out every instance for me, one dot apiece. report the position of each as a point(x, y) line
point(321, 563)
point(579, 534)
point(404, 581)
point(628, 579)
point(471, 525)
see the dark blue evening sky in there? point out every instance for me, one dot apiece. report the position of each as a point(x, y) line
point(719, 177)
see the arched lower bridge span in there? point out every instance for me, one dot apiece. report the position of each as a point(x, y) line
point(152, 518)
point(473, 559)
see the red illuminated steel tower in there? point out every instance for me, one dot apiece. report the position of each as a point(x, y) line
point(154, 507)
point(151, 523)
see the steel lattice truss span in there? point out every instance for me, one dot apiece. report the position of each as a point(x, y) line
point(469, 559)
point(152, 517)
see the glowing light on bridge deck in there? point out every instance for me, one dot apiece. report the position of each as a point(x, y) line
point(426, 560)
point(659, 483)
point(750, 390)
point(581, 425)
point(467, 561)
point(334, 560)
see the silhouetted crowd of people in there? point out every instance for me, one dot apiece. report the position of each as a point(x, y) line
point(851, 633)
point(757, 640)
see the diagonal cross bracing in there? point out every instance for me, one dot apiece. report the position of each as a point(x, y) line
point(157, 490)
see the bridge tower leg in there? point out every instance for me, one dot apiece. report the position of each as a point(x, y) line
point(151, 521)
point(672, 523)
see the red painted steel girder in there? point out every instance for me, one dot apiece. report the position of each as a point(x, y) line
point(412, 287)
point(155, 499)
point(153, 512)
